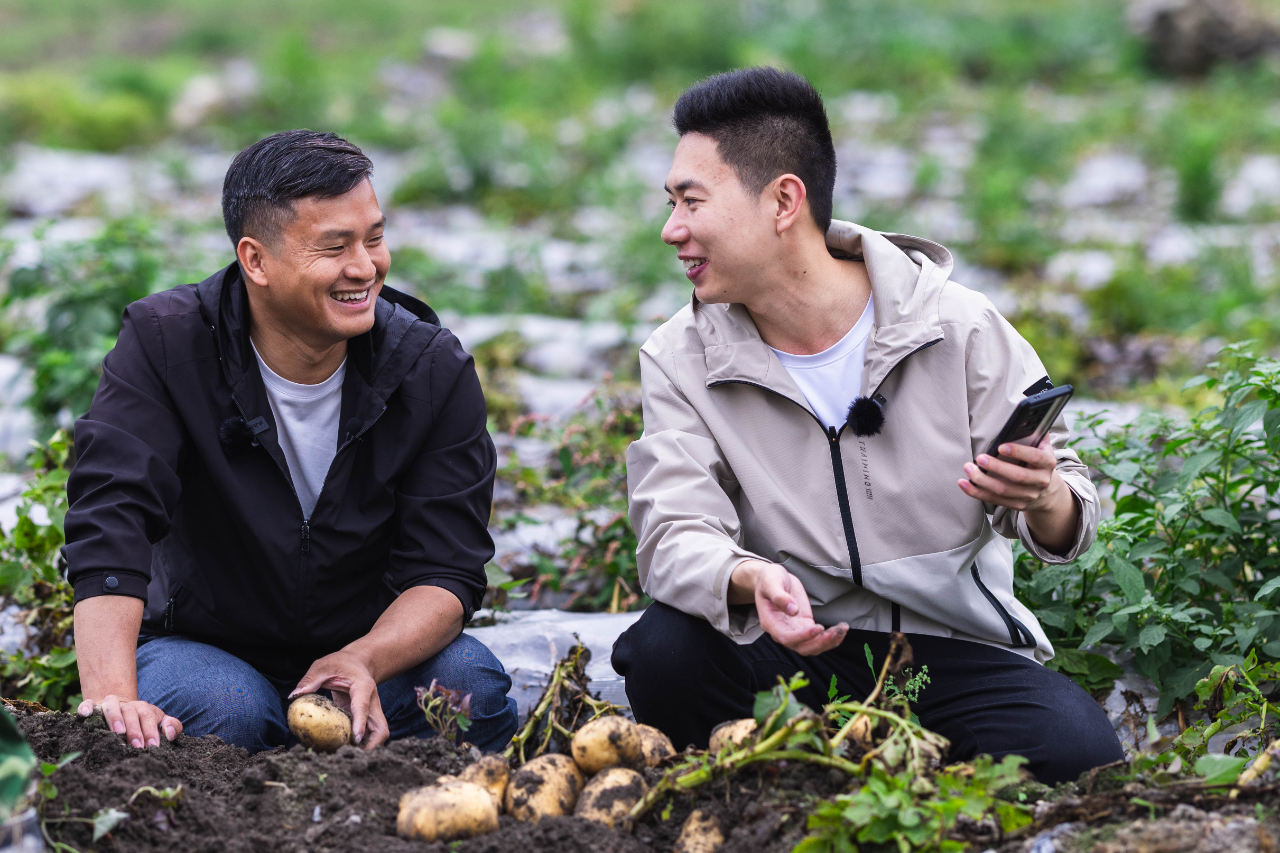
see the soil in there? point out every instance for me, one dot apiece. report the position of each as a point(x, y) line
point(296, 800)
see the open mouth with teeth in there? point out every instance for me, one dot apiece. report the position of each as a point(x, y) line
point(351, 297)
point(694, 266)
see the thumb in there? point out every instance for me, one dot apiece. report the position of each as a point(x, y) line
point(309, 684)
point(778, 593)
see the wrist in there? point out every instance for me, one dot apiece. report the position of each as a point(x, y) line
point(743, 581)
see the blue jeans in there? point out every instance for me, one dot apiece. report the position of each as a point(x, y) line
point(215, 693)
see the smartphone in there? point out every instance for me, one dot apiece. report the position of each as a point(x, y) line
point(1032, 419)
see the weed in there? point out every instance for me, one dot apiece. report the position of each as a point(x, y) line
point(448, 712)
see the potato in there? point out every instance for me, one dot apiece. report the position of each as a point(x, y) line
point(491, 773)
point(445, 812)
point(606, 742)
point(733, 733)
point(547, 786)
point(655, 747)
point(608, 797)
point(318, 723)
point(701, 833)
point(862, 729)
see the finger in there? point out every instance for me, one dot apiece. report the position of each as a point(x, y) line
point(132, 725)
point(791, 632)
point(1008, 471)
point(310, 683)
point(149, 717)
point(379, 731)
point(990, 497)
point(111, 713)
point(999, 485)
point(360, 702)
point(86, 708)
point(774, 590)
point(1039, 456)
point(824, 642)
point(171, 726)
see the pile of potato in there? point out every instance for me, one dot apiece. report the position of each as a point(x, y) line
point(598, 782)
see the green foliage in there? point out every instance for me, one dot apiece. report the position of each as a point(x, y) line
point(81, 289)
point(910, 813)
point(1185, 573)
point(59, 111)
point(31, 577)
point(16, 763)
point(1233, 697)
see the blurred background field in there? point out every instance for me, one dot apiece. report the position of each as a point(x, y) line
point(1108, 174)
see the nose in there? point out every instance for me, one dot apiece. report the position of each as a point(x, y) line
point(675, 231)
point(362, 267)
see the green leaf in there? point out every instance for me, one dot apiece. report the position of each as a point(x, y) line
point(1193, 466)
point(106, 820)
point(1151, 636)
point(1128, 576)
point(1194, 382)
point(1099, 632)
point(1123, 472)
point(1222, 518)
point(1220, 769)
point(1271, 424)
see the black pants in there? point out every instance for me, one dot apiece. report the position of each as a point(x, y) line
point(685, 677)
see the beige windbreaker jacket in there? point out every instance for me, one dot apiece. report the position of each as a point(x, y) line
point(734, 465)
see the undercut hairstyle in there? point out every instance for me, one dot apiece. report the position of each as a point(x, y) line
point(266, 178)
point(766, 123)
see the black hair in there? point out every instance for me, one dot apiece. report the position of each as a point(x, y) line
point(266, 178)
point(766, 123)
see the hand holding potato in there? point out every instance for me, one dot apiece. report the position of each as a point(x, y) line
point(346, 676)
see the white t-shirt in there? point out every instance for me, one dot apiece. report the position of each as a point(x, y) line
point(307, 425)
point(831, 379)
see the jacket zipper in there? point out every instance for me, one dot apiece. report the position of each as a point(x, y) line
point(1018, 633)
point(837, 463)
point(842, 494)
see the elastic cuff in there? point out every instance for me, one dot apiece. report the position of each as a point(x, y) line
point(111, 583)
point(461, 591)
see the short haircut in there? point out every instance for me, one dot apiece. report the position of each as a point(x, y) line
point(766, 123)
point(267, 177)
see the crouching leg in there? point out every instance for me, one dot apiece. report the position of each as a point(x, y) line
point(466, 665)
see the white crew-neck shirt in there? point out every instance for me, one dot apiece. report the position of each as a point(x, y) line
point(307, 425)
point(831, 379)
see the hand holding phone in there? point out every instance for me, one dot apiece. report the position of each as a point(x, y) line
point(1032, 419)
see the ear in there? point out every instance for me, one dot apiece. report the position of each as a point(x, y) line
point(252, 256)
point(788, 195)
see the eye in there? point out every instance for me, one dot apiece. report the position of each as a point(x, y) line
point(671, 203)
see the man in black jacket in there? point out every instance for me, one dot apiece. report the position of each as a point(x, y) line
point(284, 481)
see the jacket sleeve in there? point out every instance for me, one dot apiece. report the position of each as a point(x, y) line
point(1001, 366)
point(443, 501)
point(687, 529)
point(124, 485)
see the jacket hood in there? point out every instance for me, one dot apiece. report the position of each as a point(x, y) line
point(907, 276)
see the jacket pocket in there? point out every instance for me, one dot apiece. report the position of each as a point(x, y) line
point(1019, 636)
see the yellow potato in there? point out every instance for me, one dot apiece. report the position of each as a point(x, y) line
point(606, 742)
point(654, 746)
point(701, 833)
point(733, 733)
point(318, 723)
point(547, 786)
point(491, 773)
point(445, 812)
point(608, 797)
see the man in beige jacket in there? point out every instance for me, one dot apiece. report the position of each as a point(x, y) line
point(813, 472)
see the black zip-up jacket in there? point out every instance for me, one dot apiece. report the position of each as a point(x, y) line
point(210, 534)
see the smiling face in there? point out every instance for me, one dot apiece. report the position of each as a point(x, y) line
point(319, 279)
point(725, 235)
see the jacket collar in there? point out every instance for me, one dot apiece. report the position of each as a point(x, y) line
point(907, 275)
point(381, 358)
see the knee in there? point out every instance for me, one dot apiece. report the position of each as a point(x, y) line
point(1075, 735)
point(659, 650)
point(467, 665)
point(239, 714)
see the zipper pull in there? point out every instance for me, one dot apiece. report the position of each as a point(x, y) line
point(306, 536)
point(832, 435)
point(168, 616)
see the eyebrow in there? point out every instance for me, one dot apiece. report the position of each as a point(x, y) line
point(686, 184)
point(342, 235)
